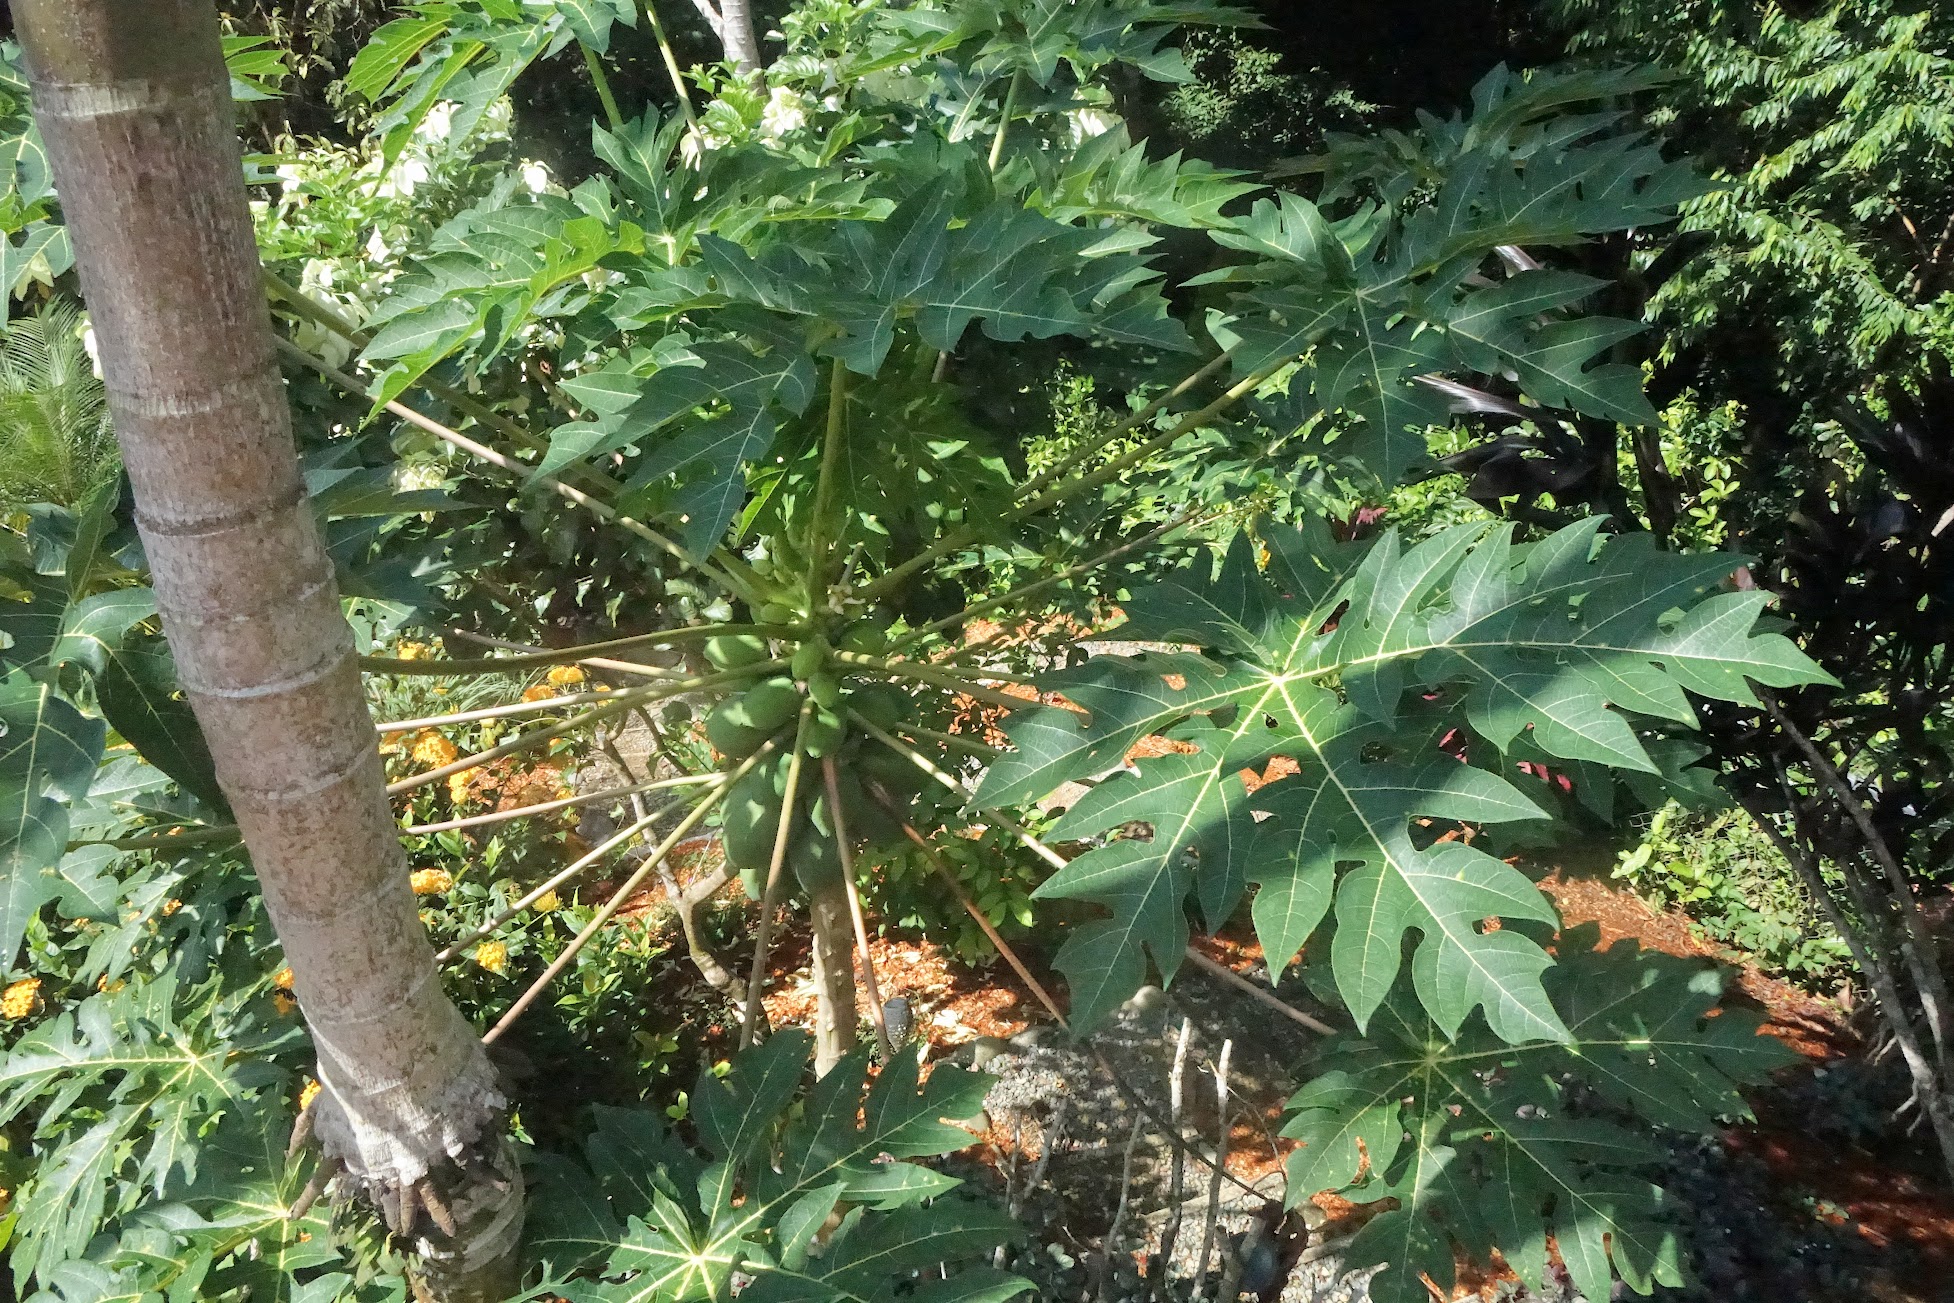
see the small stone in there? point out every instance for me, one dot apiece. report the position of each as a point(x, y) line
point(986, 1048)
point(1032, 1038)
point(1148, 999)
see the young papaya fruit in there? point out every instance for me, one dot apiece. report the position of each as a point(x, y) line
point(825, 733)
point(881, 704)
point(730, 733)
point(815, 857)
point(775, 613)
point(750, 821)
point(767, 705)
point(825, 688)
point(730, 651)
point(809, 657)
point(867, 637)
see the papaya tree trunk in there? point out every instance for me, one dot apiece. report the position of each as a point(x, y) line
point(835, 1016)
point(737, 34)
point(732, 22)
point(134, 102)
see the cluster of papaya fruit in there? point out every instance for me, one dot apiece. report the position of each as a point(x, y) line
point(832, 696)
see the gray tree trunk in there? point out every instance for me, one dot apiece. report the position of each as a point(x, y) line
point(133, 99)
point(732, 22)
point(742, 44)
point(836, 1018)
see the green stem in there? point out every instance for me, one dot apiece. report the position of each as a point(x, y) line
point(940, 679)
point(616, 902)
point(1019, 593)
point(1003, 820)
point(818, 528)
point(671, 65)
point(625, 701)
point(1004, 119)
point(738, 577)
point(163, 841)
point(603, 85)
point(563, 876)
point(955, 740)
point(770, 897)
point(916, 669)
point(565, 655)
point(963, 537)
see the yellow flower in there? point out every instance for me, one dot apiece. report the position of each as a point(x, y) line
point(430, 882)
point(282, 979)
point(284, 1003)
point(411, 651)
point(307, 1094)
point(547, 902)
point(493, 956)
point(565, 675)
point(458, 788)
point(171, 906)
point(431, 750)
point(541, 692)
point(21, 998)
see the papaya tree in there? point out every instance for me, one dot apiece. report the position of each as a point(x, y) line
point(133, 101)
point(766, 366)
point(766, 335)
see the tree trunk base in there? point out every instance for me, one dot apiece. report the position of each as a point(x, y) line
point(473, 1257)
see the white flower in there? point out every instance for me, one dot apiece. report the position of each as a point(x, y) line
point(407, 174)
point(1092, 122)
point(288, 176)
point(785, 112)
point(440, 120)
point(535, 176)
point(88, 342)
point(376, 248)
point(326, 345)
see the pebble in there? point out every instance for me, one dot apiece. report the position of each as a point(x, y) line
point(986, 1048)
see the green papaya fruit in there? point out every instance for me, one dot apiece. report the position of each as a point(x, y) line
point(869, 824)
point(809, 657)
point(751, 883)
point(777, 773)
point(881, 704)
point(815, 857)
point(824, 735)
point(775, 613)
point(825, 688)
point(730, 732)
point(730, 651)
point(867, 637)
point(897, 775)
point(750, 820)
point(767, 705)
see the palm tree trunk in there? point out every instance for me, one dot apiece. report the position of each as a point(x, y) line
point(133, 100)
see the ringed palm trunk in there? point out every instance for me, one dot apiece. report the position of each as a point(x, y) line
point(133, 99)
